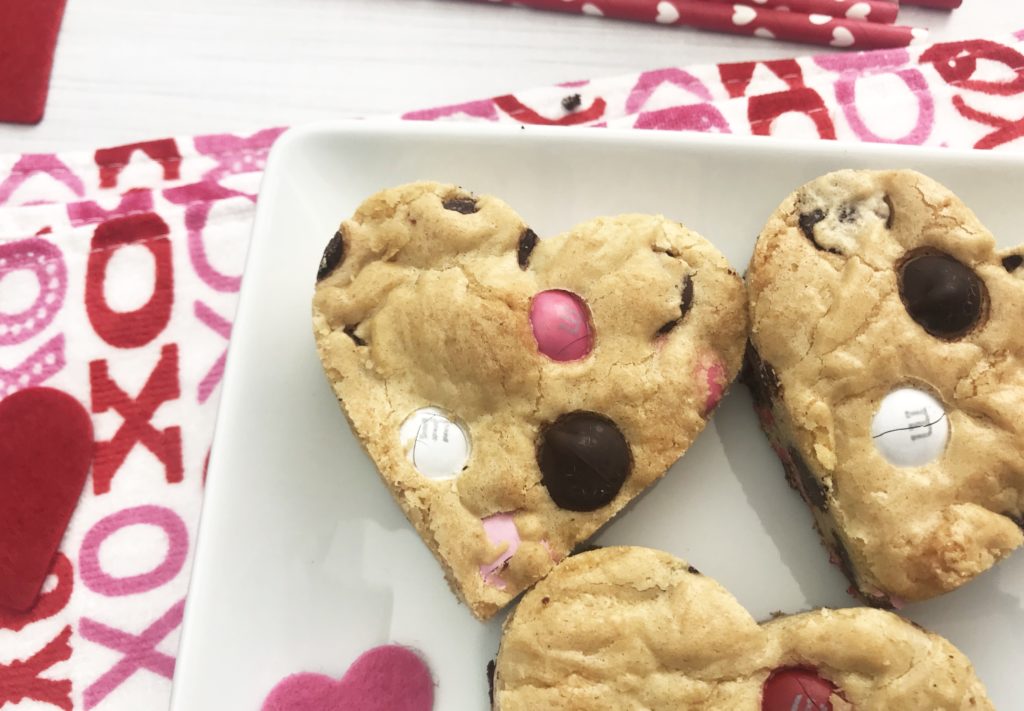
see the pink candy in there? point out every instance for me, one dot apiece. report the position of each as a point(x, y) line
point(561, 325)
point(500, 529)
point(715, 380)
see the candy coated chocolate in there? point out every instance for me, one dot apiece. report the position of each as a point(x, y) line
point(584, 460)
point(561, 325)
point(812, 487)
point(944, 296)
point(334, 254)
point(436, 445)
point(807, 222)
point(797, 689)
point(910, 428)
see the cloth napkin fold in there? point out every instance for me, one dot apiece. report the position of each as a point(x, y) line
point(119, 274)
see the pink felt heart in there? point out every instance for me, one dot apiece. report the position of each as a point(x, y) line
point(388, 678)
point(45, 453)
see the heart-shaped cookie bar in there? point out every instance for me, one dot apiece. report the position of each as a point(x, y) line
point(887, 369)
point(634, 628)
point(516, 393)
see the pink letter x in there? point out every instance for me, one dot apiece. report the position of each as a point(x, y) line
point(139, 651)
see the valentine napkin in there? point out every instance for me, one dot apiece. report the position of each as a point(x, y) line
point(119, 275)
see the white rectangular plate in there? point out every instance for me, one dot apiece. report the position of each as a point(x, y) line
point(304, 561)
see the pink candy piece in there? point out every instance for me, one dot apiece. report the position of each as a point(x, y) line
point(715, 380)
point(561, 325)
point(500, 529)
point(389, 678)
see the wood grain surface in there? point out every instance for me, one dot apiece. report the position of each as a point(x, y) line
point(128, 70)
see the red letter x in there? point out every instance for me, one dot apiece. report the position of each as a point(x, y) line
point(161, 386)
point(20, 680)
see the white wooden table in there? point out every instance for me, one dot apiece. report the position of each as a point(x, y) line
point(129, 70)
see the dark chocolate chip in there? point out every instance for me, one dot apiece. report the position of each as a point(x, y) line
point(584, 460)
point(527, 241)
point(1013, 262)
point(350, 331)
point(892, 213)
point(760, 377)
point(807, 222)
point(814, 490)
point(845, 561)
point(572, 102)
point(946, 298)
point(464, 205)
point(847, 214)
point(490, 680)
point(334, 254)
point(685, 302)
point(691, 569)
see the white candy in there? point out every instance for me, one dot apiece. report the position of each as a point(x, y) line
point(436, 445)
point(910, 428)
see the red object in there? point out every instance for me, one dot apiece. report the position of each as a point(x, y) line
point(868, 10)
point(28, 35)
point(743, 19)
point(797, 689)
point(941, 4)
point(45, 452)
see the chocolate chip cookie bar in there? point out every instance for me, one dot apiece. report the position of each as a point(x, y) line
point(515, 393)
point(886, 365)
point(634, 628)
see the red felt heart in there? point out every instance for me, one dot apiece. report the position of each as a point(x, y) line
point(45, 452)
point(389, 678)
point(28, 34)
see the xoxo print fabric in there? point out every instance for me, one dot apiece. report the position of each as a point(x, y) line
point(119, 274)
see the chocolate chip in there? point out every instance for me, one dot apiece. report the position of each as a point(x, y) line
point(350, 331)
point(1013, 262)
point(572, 102)
point(760, 377)
point(334, 254)
point(945, 297)
point(691, 569)
point(490, 680)
point(545, 600)
point(814, 490)
point(845, 561)
point(685, 302)
point(527, 241)
point(807, 222)
point(464, 205)
point(891, 218)
point(584, 460)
